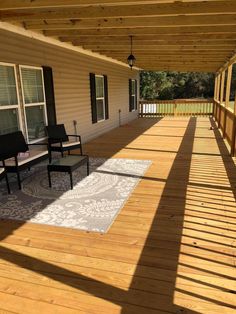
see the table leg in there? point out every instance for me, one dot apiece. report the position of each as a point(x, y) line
point(87, 167)
point(49, 179)
point(71, 180)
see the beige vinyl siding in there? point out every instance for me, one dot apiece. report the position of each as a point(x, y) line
point(71, 82)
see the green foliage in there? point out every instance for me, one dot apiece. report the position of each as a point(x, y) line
point(176, 85)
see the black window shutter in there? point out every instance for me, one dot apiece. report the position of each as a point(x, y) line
point(106, 97)
point(130, 95)
point(136, 94)
point(49, 95)
point(93, 97)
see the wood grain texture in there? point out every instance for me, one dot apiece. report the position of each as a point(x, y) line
point(170, 250)
point(197, 19)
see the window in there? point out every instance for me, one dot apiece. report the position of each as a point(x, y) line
point(28, 112)
point(132, 95)
point(99, 97)
point(9, 100)
point(34, 102)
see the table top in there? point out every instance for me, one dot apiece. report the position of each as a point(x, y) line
point(69, 160)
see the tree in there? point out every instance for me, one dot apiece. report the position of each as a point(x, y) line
point(176, 85)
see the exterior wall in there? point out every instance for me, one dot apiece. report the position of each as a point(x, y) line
point(71, 82)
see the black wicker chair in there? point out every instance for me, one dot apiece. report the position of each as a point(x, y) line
point(59, 141)
point(11, 145)
point(3, 174)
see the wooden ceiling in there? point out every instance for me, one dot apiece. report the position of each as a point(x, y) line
point(188, 35)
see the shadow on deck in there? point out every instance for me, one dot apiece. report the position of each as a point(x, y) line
point(175, 272)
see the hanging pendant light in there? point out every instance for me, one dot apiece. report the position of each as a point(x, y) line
point(131, 58)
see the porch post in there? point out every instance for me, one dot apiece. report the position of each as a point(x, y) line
point(228, 86)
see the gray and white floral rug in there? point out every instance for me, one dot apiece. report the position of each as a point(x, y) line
point(92, 205)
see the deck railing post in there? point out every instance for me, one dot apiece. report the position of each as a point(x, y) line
point(233, 143)
point(141, 110)
point(175, 108)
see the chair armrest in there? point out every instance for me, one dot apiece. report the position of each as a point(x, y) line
point(74, 135)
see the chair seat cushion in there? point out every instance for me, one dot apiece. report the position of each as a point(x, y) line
point(67, 144)
point(31, 155)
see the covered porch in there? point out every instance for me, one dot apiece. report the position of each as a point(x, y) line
point(170, 250)
point(172, 247)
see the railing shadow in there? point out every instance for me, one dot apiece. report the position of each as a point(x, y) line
point(154, 283)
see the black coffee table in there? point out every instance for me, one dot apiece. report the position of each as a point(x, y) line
point(67, 164)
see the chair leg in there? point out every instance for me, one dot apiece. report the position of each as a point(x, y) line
point(8, 186)
point(49, 156)
point(49, 179)
point(18, 178)
point(81, 152)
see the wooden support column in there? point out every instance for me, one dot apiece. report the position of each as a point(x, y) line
point(218, 87)
point(233, 144)
point(222, 84)
point(226, 95)
point(228, 86)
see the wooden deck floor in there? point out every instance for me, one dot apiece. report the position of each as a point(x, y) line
point(171, 249)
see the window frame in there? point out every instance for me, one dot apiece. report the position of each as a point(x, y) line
point(33, 104)
point(100, 98)
point(17, 106)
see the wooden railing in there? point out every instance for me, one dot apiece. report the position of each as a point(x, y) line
point(226, 121)
point(179, 107)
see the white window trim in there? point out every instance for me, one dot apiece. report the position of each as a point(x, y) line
point(16, 106)
point(33, 104)
point(101, 98)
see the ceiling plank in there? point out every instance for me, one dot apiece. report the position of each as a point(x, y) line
point(199, 30)
point(173, 21)
point(138, 10)
point(136, 43)
point(148, 39)
point(160, 37)
point(158, 47)
point(25, 4)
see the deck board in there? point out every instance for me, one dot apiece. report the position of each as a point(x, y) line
point(170, 250)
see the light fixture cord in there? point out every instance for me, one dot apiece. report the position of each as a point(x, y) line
point(131, 37)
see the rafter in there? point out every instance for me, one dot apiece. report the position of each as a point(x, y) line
point(121, 11)
point(156, 30)
point(173, 21)
point(25, 4)
point(168, 34)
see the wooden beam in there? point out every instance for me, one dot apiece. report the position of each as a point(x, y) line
point(179, 69)
point(25, 4)
point(176, 59)
point(228, 86)
point(222, 84)
point(138, 10)
point(177, 64)
point(201, 37)
point(218, 87)
point(171, 21)
point(215, 87)
point(228, 48)
point(193, 30)
point(152, 41)
point(171, 53)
